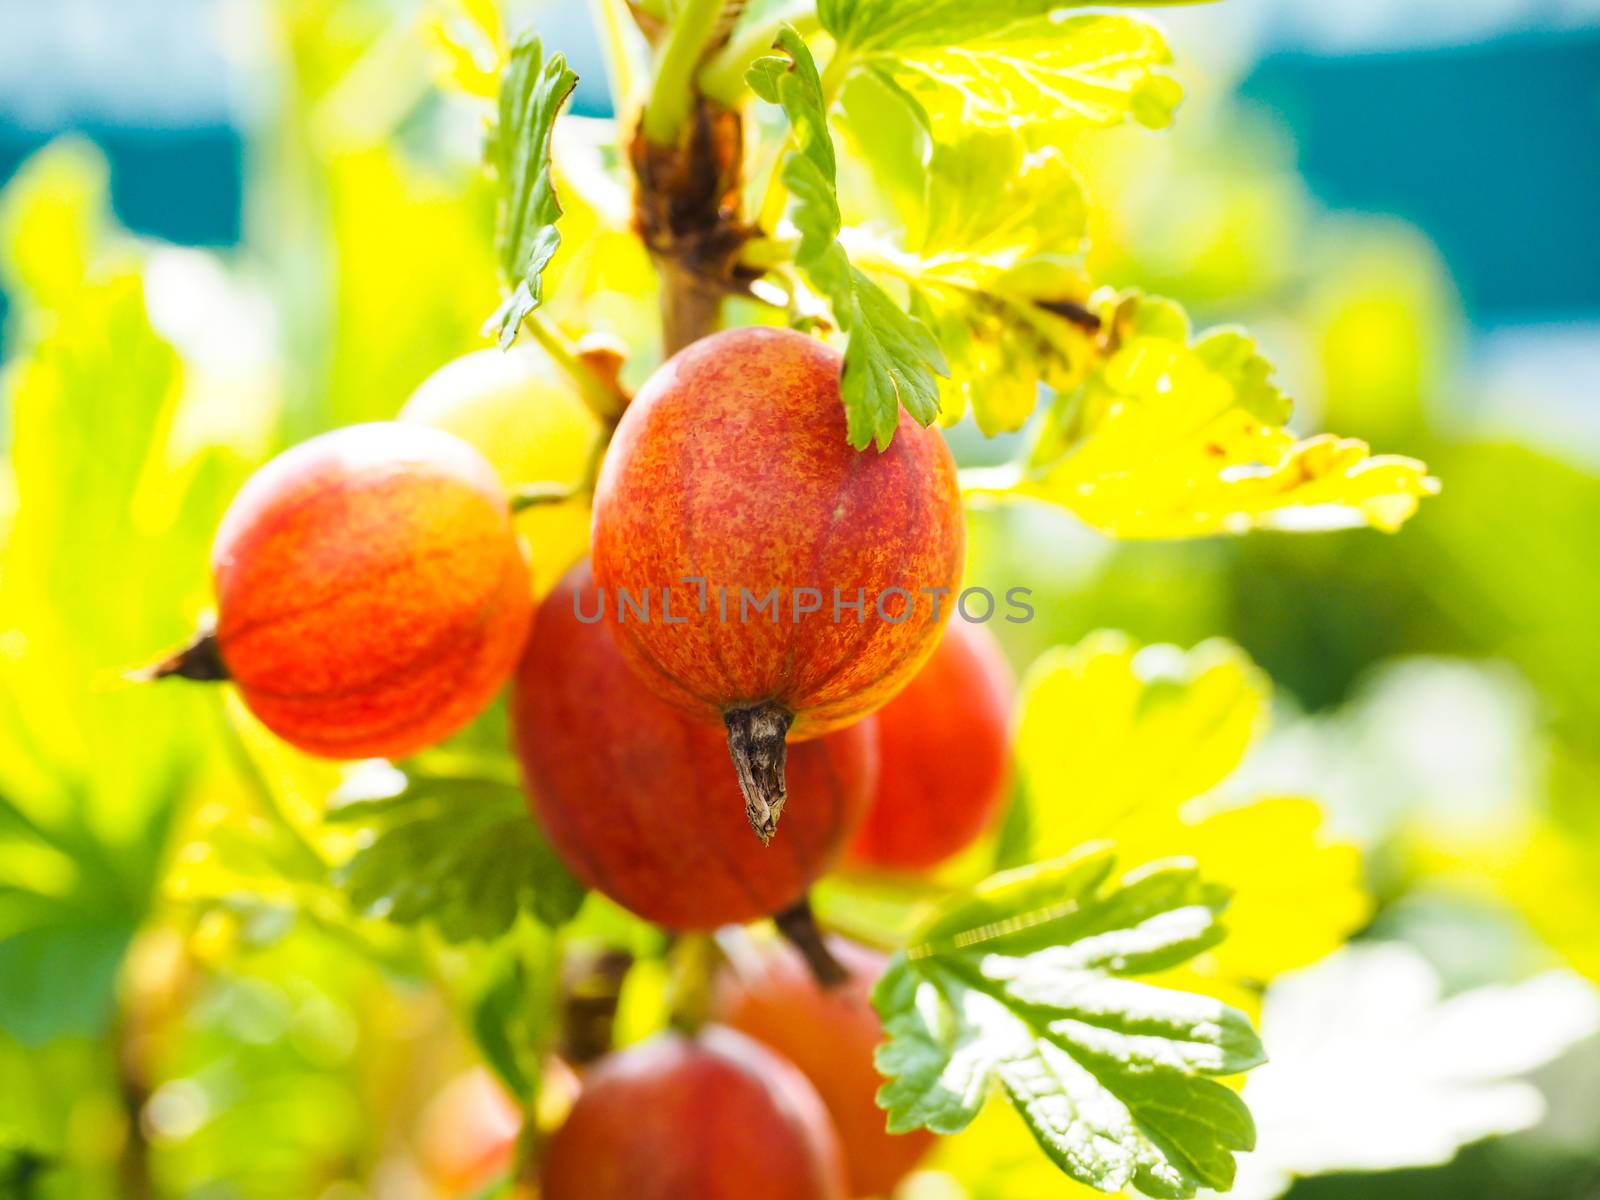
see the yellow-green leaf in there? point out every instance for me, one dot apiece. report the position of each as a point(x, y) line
point(1173, 437)
point(532, 91)
point(1034, 981)
point(50, 221)
point(1119, 742)
point(1044, 75)
point(891, 359)
point(1112, 732)
point(100, 566)
point(469, 40)
point(992, 261)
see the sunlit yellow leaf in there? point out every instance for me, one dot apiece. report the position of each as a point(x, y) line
point(1173, 437)
point(1045, 75)
point(469, 44)
point(93, 579)
point(415, 264)
point(1550, 875)
point(994, 253)
point(1297, 894)
point(1113, 734)
point(1119, 742)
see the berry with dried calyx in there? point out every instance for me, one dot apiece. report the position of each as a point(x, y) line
point(637, 796)
point(372, 596)
point(797, 583)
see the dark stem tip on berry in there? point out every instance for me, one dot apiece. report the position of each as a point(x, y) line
point(756, 742)
point(200, 661)
point(799, 925)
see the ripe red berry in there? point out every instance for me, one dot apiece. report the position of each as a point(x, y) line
point(731, 467)
point(637, 797)
point(371, 595)
point(713, 1117)
point(944, 745)
point(831, 1034)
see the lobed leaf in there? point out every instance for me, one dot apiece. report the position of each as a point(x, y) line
point(461, 853)
point(1169, 436)
point(1133, 732)
point(890, 358)
point(904, 25)
point(994, 254)
point(1136, 736)
point(507, 1020)
point(532, 91)
point(1025, 984)
point(1045, 76)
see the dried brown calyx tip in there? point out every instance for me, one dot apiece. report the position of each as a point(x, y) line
point(799, 925)
point(200, 660)
point(756, 741)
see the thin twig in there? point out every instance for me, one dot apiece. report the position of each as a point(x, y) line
point(604, 399)
point(1083, 317)
point(799, 925)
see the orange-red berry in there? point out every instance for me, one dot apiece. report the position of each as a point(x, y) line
point(371, 595)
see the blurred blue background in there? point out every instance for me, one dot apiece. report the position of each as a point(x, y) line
point(1476, 120)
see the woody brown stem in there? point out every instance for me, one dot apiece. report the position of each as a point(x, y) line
point(1080, 315)
point(686, 211)
point(691, 306)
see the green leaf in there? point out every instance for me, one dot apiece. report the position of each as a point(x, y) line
point(1026, 984)
point(1173, 436)
point(59, 975)
point(461, 853)
point(514, 990)
point(531, 94)
point(889, 363)
point(791, 81)
point(1045, 76)
point(496, 1016)
point(893, 25)
point(992, 260)
point(891, 358)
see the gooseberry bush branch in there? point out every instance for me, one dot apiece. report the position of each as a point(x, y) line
point(964, 290)
point(953, 272)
